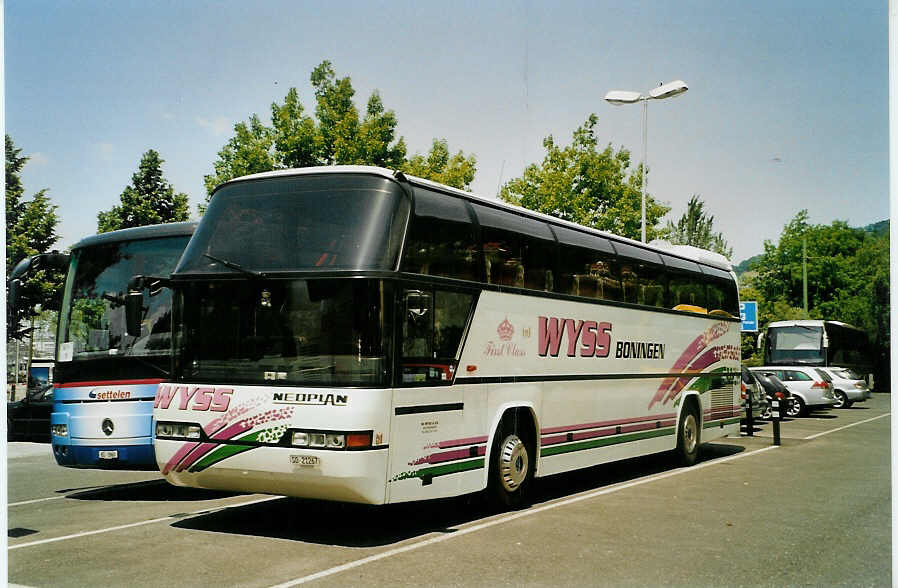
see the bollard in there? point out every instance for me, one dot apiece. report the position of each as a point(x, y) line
point(751, 421)
point(776, 415)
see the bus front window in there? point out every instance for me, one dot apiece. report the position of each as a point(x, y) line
point(93, 319)
point(796, 344)
point(283, 332)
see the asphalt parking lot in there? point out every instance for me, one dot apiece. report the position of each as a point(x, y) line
point(814, 511)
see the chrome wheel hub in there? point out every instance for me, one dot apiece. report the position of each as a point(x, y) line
point(514, 463)
point(690, 433)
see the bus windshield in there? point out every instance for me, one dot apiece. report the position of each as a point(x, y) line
point(283, 332)
point(92, 323)
point(311, 222)
point(796, 344)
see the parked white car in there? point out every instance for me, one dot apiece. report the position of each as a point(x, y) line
point(848, 387)
point(811, 388)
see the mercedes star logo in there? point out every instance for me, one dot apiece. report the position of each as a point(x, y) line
point(108, 427)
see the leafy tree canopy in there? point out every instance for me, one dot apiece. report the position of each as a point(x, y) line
point(453, 170)
point(581, 184)
point(148, 200)
point(336, 135)
point(30, 229)
point(696, 228)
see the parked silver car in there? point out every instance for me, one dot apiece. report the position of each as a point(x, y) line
point(811, 388)
point(848, 387)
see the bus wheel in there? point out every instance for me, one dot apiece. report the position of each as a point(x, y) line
point(688, 436)
point(511, 470)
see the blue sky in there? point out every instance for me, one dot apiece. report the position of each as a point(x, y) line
point(787, 107)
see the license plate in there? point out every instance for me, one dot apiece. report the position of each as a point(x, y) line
point(113, 454)
point(305, 460)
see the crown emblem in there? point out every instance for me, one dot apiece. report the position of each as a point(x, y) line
point(505, 330)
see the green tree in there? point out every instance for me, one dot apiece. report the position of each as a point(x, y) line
point(148, 200)
point(30, 229)
point(456, 170)
point(581, 184)
point(336, 135)
point(696, 228)
point(297, 140)
point(338, 119)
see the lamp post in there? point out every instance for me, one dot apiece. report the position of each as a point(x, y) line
point(620, 97)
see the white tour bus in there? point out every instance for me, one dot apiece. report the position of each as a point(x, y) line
point(353, 334)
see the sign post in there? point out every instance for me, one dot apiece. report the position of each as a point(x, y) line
point(748, 312)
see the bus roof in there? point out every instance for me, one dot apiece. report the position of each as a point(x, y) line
point(685, 251)
point(810, 323)
point(138, 233)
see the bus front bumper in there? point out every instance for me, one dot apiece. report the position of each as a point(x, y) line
point(93, 454)
point(346, 476)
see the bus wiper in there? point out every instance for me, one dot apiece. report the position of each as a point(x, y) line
point(235, 266)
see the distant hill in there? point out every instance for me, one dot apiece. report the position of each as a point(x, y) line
point(742, 267)
point(879, 229)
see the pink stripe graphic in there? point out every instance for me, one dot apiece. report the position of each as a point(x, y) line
point(449, 456)
point(459, 442)
point(713, 332)
point(566, 428)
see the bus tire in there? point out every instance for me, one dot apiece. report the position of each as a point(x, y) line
point(512, 463)
point(688, 435)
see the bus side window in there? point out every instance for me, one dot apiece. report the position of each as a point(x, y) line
point(586, 266)
point(432, 328)
point(642, 275)
point(501, 238)
point(537, 255)
point(441, 239)
point(723, 297)
point(652, 282)
point(685, 289)
point(629, 282)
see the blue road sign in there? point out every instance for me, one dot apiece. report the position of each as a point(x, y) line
point(748, 312)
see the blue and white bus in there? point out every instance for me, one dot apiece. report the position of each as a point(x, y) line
point(105, 379)
point(354, 334)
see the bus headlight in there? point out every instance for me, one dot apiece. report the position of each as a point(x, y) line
point(331, 440)
point(170, 430)
point(60, 430)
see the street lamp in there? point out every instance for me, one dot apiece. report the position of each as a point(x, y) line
point(620, 97)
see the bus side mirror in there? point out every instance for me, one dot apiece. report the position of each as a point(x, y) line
point(14, 288)
point(133, 312)
point(54, 260)
point(134, 306)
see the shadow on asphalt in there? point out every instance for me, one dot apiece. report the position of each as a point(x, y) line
point(149, 491)
point(353, 525)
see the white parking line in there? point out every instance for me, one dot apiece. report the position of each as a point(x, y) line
point(139, 523)
point(511, 517)
point(35, 500)
point(846, 426)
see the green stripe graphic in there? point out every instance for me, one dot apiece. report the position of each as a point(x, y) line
point(605, 441)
